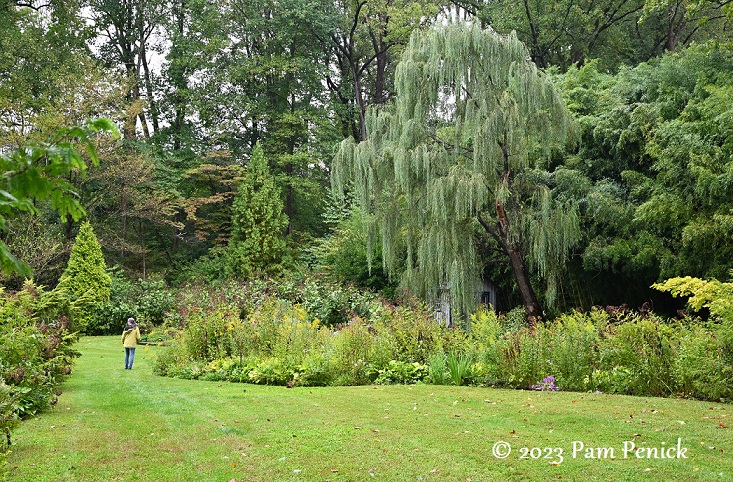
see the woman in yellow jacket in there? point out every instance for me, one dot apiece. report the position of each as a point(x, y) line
point(130, 338)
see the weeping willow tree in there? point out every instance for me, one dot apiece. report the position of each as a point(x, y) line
point(452, 165)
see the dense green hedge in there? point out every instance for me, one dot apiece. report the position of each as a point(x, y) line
point(36, 353)
point(275, 340)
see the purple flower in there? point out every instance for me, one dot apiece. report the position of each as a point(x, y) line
point(546, 385)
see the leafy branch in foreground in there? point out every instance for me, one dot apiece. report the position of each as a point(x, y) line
point(36, 172)
point(9, 419)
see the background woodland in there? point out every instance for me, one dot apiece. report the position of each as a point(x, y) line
point(231, 114)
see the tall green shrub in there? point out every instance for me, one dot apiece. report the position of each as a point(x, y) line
point(85, 280)
point(36, 352)
point(257, 244)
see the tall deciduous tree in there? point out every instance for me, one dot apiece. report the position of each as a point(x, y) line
point(272, 91)
point(365, 45)
point(450, 164)
point(675, 23)
point(85, 277)
point(617, 32)
point(127, 28)
point(257, 243)
point(566, 32)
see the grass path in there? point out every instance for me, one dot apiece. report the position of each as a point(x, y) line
point(115, 424)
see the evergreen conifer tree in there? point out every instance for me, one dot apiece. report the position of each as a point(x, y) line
point(257, 243)
point(85, 280)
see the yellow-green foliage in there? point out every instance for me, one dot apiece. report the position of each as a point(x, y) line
point(713, 294)
point(258, 221)
point(704, 364)
point(85, 279)
point(351, 355)
point(410, 333)
point(645, 349)
point(208, 333)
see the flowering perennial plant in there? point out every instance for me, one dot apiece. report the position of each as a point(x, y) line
point(546, 385)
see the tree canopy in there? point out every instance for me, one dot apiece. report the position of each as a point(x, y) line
point(463, 159)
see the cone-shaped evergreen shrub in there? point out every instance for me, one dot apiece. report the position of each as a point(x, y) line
point(257, 243)
point(85, 279)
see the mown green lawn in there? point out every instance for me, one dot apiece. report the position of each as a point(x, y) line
point(115, 424)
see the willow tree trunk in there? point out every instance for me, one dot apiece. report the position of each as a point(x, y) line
point(515, 253)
